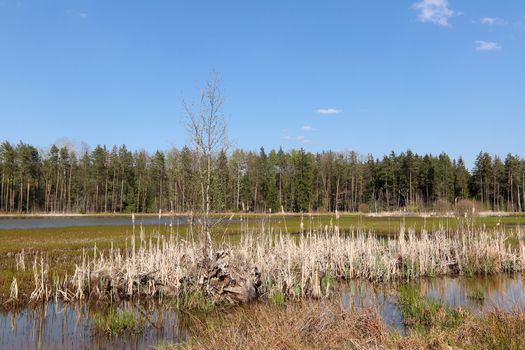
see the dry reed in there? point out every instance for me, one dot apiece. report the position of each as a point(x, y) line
point(292, 265)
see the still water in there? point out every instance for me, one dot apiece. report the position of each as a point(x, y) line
point(63, 326)
point(68, 221)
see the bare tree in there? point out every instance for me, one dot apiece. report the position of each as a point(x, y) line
point(207, 129)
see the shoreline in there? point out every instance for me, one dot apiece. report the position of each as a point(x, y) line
point(384, 214)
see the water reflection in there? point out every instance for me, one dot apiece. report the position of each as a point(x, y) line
point(64, 326)
point(69, 221)
point(503, 292)
point(70, 326)
point(380, 298)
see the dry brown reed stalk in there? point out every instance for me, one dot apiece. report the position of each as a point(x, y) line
point(42, 289)
point(20, 261)
point(292, 265)
point(13, 290)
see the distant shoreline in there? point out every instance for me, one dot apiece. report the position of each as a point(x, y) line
point(384, 214)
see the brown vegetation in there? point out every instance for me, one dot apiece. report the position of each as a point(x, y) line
point(319, 325)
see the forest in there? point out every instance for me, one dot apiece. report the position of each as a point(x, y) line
point(103, 180)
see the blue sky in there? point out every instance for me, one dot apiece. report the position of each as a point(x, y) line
point(370, 76)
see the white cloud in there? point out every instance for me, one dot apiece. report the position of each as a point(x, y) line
point(299, 138)
point(434, 11)
point(492, 21)
point(75, 13)
point(329, 110)
point(487, 46)
point(307, 128)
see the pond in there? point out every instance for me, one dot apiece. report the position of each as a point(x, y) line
point(82, 221)
point(58, 325)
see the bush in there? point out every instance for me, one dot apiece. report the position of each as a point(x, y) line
point(466, 207)
point(363, 208)
point(442, 206)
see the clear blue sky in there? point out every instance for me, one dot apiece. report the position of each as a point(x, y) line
point(371, 76)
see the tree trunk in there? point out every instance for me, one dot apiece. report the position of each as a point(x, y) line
point(27, 197)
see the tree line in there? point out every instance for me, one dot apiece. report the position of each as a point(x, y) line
point(118, 180)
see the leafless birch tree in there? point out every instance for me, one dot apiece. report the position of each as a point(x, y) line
point(207, 128)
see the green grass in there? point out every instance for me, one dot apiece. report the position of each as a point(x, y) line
point(421, 313)
point(476, 293)
point(328, 284)
point(277, 297)
point(195, 301)
point(116, 322)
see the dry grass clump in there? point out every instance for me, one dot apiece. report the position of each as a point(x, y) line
point(496, 330)
point(320, 325)
point(304, 325)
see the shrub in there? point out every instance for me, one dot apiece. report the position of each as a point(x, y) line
point(466, 207)
point(442, 206)
point(363, 208)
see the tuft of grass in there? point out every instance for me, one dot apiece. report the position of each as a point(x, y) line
point(422, 314)
point(192, 299)
point(476, 293)
point(117, 322)
point(494, 331)
point(328, 284)
point(277, 298)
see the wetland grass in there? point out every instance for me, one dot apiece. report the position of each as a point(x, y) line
point(476, 293)
point(117, 322)
point(422, 313)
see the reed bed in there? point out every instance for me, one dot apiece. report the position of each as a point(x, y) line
point(296, 266)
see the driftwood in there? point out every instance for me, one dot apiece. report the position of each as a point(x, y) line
point(223, 283)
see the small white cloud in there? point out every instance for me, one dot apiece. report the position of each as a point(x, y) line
point(434, 11)
point(490, 21)
point(75, 13)
point(299, 138)
point(487, 46)
point(329, 110)
point(307, 128)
